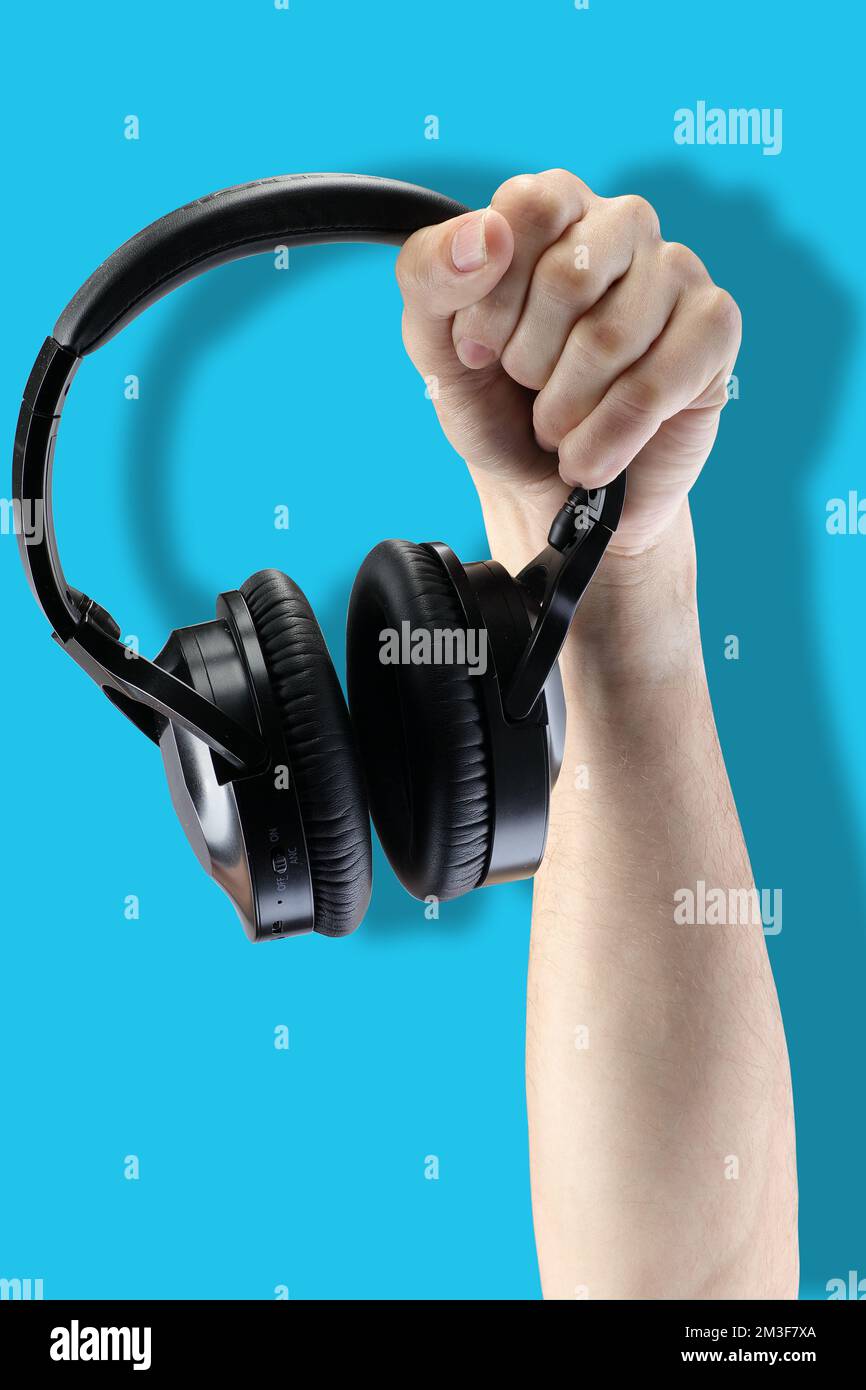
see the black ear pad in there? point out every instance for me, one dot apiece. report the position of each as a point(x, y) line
point(321, 748)
point(421, 729)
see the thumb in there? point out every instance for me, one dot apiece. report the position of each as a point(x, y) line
point(445, 268)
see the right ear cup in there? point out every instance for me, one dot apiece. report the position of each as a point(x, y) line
point(421, 729)
point(321, 747)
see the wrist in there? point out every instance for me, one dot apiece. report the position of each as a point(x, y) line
point(638, 621)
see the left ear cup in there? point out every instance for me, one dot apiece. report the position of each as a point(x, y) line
point(324, 762)
point(421, 729)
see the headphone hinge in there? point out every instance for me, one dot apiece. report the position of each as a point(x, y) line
point(557, 580)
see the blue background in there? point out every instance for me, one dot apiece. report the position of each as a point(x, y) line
point(155, 1037)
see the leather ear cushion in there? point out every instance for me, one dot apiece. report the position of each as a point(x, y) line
point(321, 748)
point(421, 729)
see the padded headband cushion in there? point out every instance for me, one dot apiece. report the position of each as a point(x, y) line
point(321, 748)
point(420, 728)
point(289, 209)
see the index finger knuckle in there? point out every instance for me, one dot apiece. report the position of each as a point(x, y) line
point(532, 201)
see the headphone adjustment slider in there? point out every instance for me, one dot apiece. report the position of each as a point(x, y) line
point(94, 614)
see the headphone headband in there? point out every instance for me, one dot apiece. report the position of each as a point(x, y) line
point(291, 209)
point(224, 226)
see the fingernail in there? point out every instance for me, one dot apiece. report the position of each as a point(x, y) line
point(469, 244)
point(473, 354)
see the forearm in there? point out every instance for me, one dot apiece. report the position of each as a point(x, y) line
point(661, 1131)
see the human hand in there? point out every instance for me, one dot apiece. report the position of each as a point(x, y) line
point(568, 341)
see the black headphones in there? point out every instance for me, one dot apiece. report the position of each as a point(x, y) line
point(269, 776)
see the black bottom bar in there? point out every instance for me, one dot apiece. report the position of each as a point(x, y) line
point(159, 1337)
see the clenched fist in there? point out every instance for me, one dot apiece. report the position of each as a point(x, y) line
point(569, 341)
